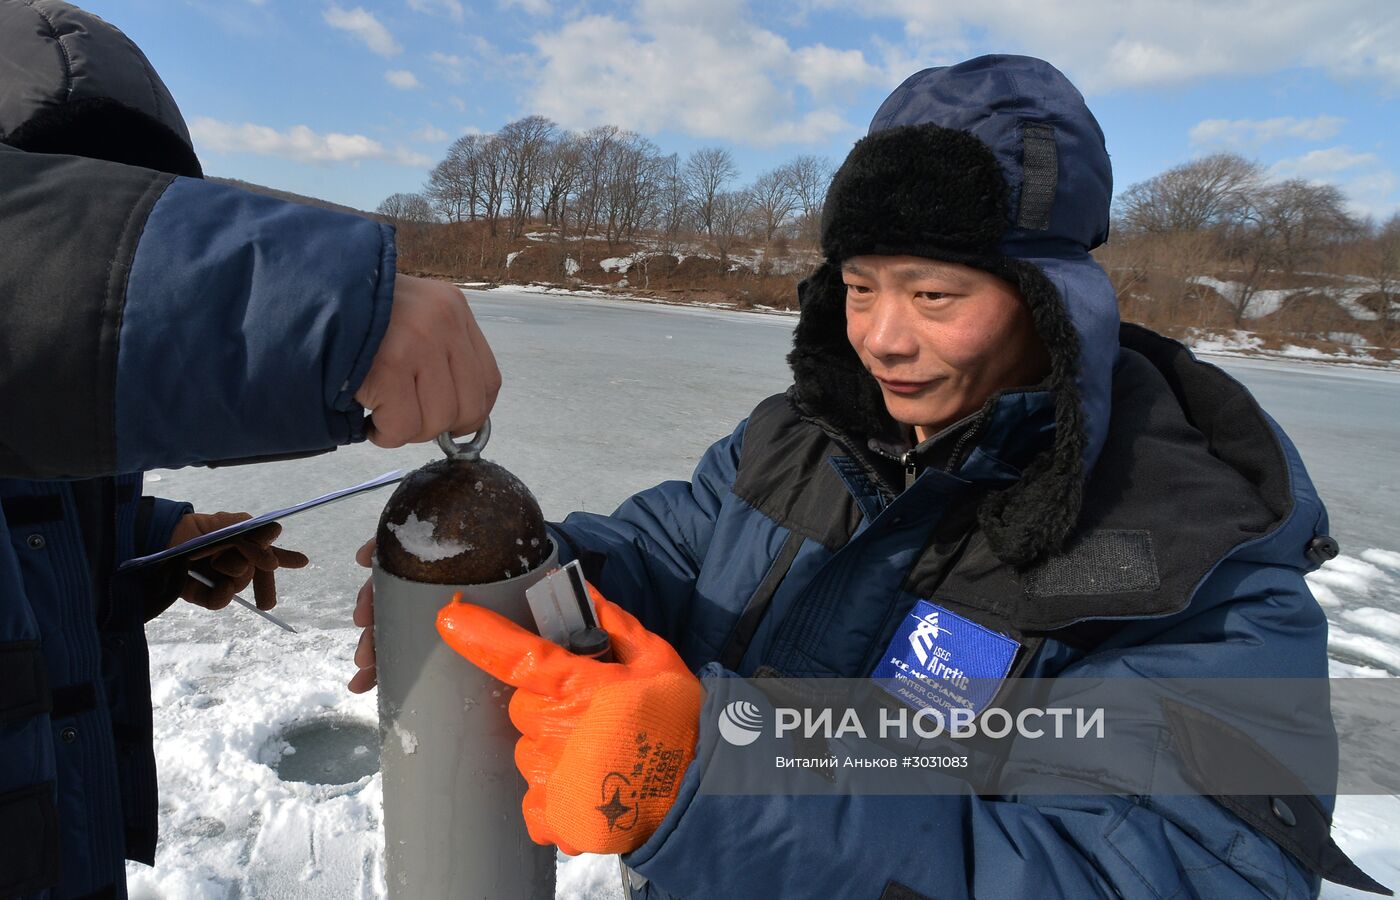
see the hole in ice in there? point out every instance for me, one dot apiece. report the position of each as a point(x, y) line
point(328, 751)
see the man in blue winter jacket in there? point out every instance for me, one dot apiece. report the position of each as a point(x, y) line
point(972, 440)
point(149, 318)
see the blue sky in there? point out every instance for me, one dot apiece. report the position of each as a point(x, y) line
point(356, 99)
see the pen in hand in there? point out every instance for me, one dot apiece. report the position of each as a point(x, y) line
point(266, 615)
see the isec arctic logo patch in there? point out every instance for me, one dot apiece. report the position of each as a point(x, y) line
point(922, 640)
point(941, 660)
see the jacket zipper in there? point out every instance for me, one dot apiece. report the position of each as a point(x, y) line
point(962, 442)
point(908, 460)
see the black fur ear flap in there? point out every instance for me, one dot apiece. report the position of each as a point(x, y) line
point(102, 128)
point(827, 373)
point(1035, 516)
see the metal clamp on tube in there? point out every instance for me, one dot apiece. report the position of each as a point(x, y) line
point(564, 613)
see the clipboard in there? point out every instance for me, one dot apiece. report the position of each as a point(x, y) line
point(230, 531)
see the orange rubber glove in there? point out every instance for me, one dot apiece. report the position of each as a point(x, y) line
point(603, 745)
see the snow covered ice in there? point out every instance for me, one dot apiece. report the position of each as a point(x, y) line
point(602, 398)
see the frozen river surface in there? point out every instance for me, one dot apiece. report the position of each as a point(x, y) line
point(602, 398)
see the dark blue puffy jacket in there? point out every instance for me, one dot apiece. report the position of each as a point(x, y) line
point(146, 320)
point(1136, 516)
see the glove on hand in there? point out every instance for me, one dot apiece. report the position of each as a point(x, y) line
point(603, 745)
point(233, 563)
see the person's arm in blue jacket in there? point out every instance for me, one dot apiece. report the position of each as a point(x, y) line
point(155, 321)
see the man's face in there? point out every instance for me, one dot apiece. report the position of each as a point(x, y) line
point(939, 337)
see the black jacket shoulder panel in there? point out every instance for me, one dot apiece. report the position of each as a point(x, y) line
point(785, 472)
point(75, 224)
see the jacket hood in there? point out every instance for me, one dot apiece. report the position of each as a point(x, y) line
point(998, 164)
point(71, 83)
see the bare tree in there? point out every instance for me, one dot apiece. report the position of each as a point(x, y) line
point(634, 181)
point(708, 171)
point(1203, 193)
point(412, 208)
point(729, 213)
point(525, 143)
point(595, 149)
point(559, 173)
point(493, 174)
point(1283, 226)
point(448, 192)
point(809, 177)
point(1383, 264)
point(671, 202)
point(1303, 219)
point(453, 186)
point(772, 200)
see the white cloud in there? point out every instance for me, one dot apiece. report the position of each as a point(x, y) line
point(481, 61)
point(1112, 44)
point(1377, 185)
point(1376, 194)
point(824, 70)
point(1369, 187)
point(1322, 163)
point(530, 7)
point(297, 143)
point(402, 79)
point(453, 8)
point(1255, 132)
point(430, 134)
point(700, 67)
point(1373, 194)
point(449, 60)
point(449, 65)
point(363, 25)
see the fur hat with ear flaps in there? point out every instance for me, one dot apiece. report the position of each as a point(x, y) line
point(994, 163)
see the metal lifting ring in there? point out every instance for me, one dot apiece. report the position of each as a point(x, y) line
point(471, 450)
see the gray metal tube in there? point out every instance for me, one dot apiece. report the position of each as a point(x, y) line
point(452, 821)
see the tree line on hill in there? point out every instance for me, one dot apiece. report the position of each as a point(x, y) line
point(1223, 215)
point(1218, 216)
point(614, 185)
